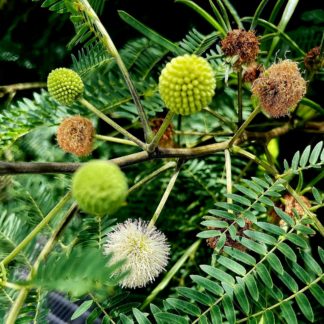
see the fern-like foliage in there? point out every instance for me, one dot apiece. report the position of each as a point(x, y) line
point(65, 272)
point(256, 271)
point(197, 43)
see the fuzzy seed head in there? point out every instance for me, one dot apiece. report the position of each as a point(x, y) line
point(144, 248)
point(280, 88)
point(242, 43)
point(65, 85)
point(187, 84)
point(99, 187)
point(75, 135)
point(313, 60)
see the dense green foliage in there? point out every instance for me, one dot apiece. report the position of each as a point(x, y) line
point(252, 192)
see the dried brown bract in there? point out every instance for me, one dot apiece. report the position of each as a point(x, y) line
point(212, 241)
point(75, 135)
point(242, 43)
point(280, 88)
point(252, 72)
point(166, 140)
point(313, 60)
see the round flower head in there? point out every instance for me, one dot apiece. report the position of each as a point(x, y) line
point(242, 43)
point(75, 135)
point(144, 248)
point(64, 85)
point(187, 84)
point(99, 187)
point(280, 88)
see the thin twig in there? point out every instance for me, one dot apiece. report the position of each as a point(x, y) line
point(12, 88)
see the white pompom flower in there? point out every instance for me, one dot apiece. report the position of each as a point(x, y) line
point(144, 248)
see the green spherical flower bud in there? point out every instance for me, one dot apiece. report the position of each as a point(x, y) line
point(187, 84)
point(99, 187)
point(65, 85)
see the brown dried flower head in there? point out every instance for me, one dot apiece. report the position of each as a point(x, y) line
point(212, 241)
point(252, 72)
point(242, 43)
point(313, 60)
point(166, 140)
point(280, 88)
point(75, 135)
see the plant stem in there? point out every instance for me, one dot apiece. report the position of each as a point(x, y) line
point(165, 196)
point(243, 126)
point(228, 168)
point(239, 97)
point(110, 46)
point(101, 308)
point(252, 157)
point(12, 88)
point(179, 124)
point(115, 140)
point(113, 124)
point(19, 302)
point(230, 124)
point(151, 176)
point(36, 230)
point(170, 274)
point(156, 139)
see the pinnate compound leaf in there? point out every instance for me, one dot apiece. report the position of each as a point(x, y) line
point(305, 306)
point(229, 309)
point(195, 295)
point(287, 251)
point(184, 306)
point(232, 265)
point(243, 301)
point(208, 284)
point(81, 309)
point(140, 317)
point(218, 274)
point(252, 287)
point(288, 313)
point(264, 275)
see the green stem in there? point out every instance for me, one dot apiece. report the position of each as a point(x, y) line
point(156, 139)
point(102, 308)
point(113, 124)
point(165, 197)
point(108, 43)
point(151, 176)
point(252, 157)
point(230, 124)
point(228, 168)
point(19, 302)
point(36, 230)
point(115, 140)
point(239, 97)
point(243, 126)
point(171, 273)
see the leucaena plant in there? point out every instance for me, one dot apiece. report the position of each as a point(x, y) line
point(152, 195)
